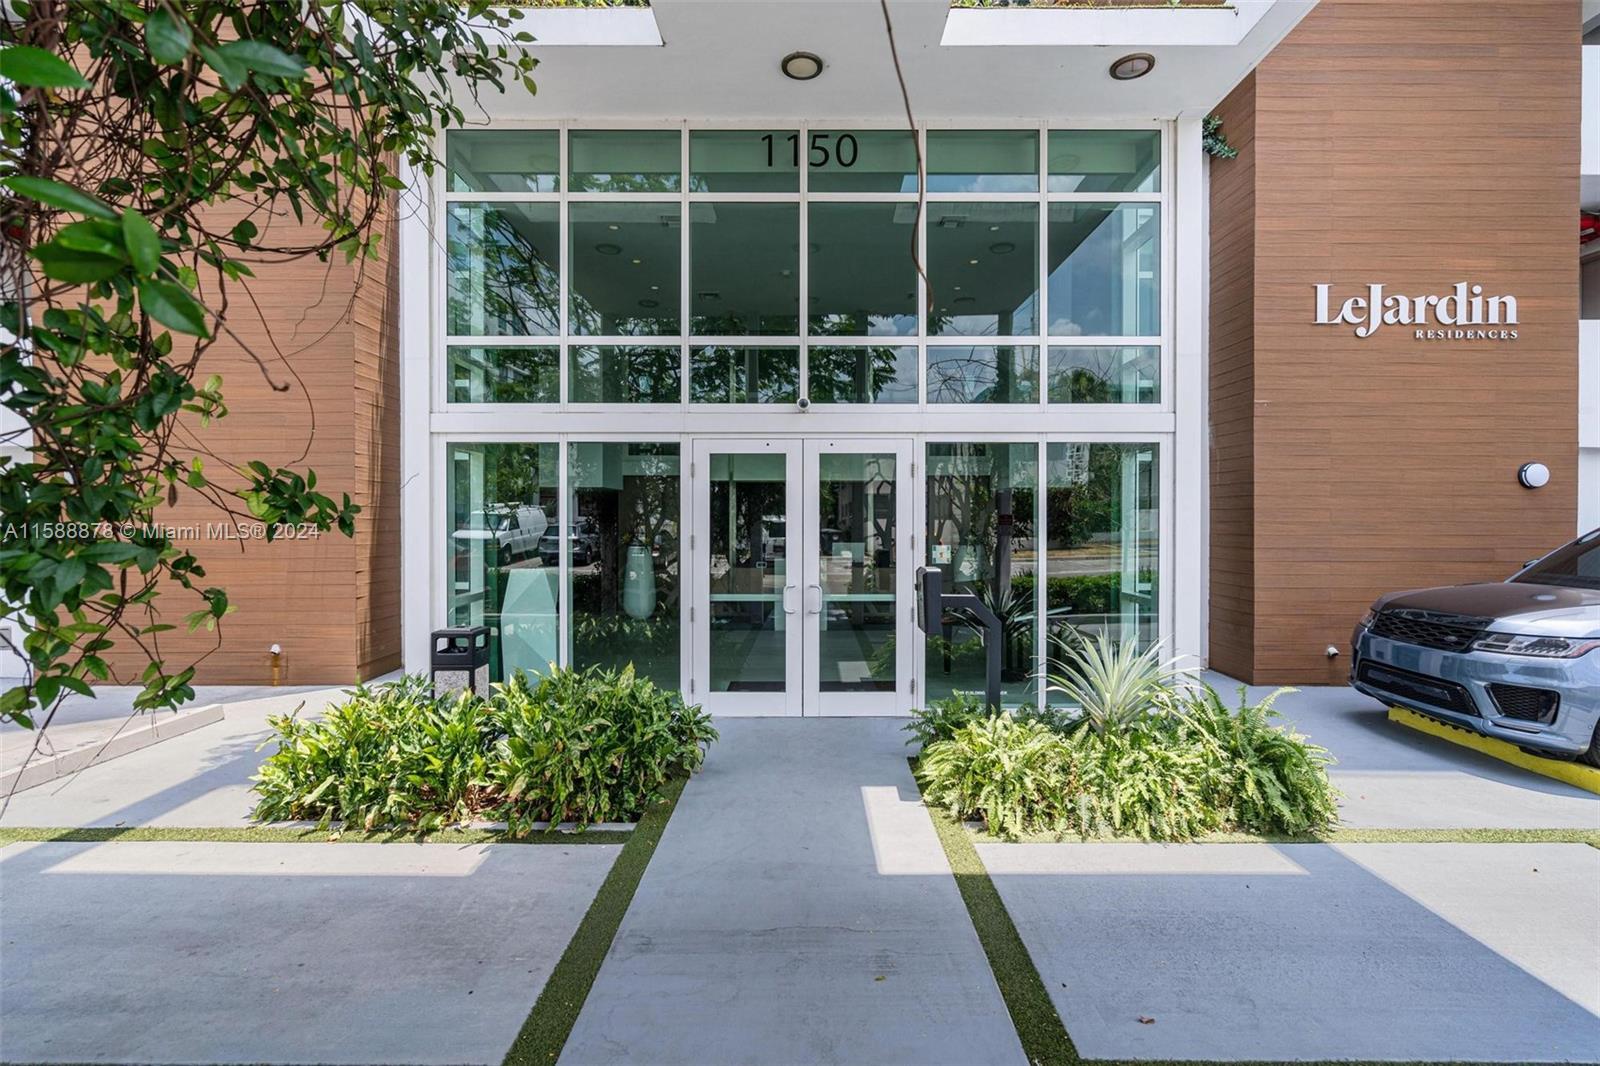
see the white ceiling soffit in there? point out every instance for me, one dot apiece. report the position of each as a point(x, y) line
point(1142, 27)
point(719, 60)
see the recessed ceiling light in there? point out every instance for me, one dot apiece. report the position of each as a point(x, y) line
point(608, 249)
point(613, 227)
point(801, 66)
point(649, 303)
point(972, 262)
point(636, 262)
point(1002, 247)
point(1135, 65)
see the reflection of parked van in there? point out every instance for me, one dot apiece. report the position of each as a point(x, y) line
point(515, 529)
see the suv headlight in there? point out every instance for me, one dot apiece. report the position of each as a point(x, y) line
point(1543, 647)
point(1367, 619)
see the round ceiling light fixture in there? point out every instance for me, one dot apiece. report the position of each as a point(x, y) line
point(608, 249)
point(1136, 65)
point(1533, 475)
point(801, 66)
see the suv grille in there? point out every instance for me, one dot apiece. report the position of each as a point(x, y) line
point(1445, 632)
point(1417, 688)
point(1528, 704)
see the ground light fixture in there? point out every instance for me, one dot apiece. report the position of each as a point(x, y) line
point(1134, 65)
point(801, 66)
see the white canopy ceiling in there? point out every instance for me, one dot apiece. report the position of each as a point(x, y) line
point(719, 60)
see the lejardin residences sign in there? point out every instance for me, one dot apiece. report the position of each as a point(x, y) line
point(1464, 313)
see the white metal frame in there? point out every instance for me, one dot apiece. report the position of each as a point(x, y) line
point(1176, 423)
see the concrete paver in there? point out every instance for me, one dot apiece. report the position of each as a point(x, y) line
point(799, 909)
point(1307, 951)
point(282, 953)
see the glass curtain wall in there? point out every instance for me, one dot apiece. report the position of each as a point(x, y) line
point(504, 517)
point(982, 523)
point(623, 562)
point(678, 266)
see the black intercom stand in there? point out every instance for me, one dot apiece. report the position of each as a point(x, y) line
point(933, 602)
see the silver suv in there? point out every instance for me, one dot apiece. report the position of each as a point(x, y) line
point(1518, 660)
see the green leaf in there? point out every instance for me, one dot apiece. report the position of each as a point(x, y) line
point(229, 70)
point(75, 267)
point(167, 38)
point(55, 194)
point(27, 65)
point(173, 307)
point(263, 58)
point(144, 246)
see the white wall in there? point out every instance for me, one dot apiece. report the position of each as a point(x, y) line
point(1591, 110)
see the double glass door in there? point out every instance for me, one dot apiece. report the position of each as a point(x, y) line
point(802, 576)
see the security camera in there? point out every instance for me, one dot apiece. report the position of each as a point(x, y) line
point(804, 405)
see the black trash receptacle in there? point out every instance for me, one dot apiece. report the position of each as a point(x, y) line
point(460, 660)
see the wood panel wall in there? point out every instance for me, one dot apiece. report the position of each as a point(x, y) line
point(1232, 391)
point(1413, 143)
point(324, 395)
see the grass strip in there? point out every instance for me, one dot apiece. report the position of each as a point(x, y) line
point(1044, 1039)
point(1333, 836)
point(282, 835)
point(548, 1025)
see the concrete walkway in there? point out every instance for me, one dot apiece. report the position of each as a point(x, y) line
point(1431, 952)
point(282, 953)
point(799, 909)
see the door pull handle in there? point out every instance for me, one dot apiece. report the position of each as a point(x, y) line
point(814, 604)
point(786, 608)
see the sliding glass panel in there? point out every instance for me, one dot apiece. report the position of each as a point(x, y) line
point(1105, 161)
point(868, 374)
point(1003, 374)
point(747, 542)
point(863, 161)
point(502, 160)
point(502, 270)
point(745, 269)
point(625, 266)
point(623, 560)
point(625, 160)
point(1103, 519)
point(1095, 374)
point(983, 161)
point(863, 270)
point(618, 374)
point(982, 516)
point(856, 545)
point(504, 520)
point(504, 375)
point(744, 161)
point(1105, 270)
point(727, 374)
point(983, 265)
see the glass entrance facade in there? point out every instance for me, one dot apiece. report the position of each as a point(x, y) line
point(608, 298)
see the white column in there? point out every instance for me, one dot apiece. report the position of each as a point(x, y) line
point(1189, 393)
point(420, 571)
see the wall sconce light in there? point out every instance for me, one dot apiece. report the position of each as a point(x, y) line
point(1533, 475)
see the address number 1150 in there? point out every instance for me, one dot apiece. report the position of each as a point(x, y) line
point(818, 154)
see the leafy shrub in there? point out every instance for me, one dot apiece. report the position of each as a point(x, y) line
point(1014, 775)
point(942, 718)
point(589, 747)
point(584, 746)
point(1264, 778)
point(387, 755)
point(1190, 766)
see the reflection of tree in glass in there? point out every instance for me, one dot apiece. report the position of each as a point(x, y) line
point(625, 375)
point(514, 288)
point(505, 375)
point(744, 375)
point(852, 375)
point(981, 375)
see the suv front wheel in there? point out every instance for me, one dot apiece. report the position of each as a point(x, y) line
point(1592, 756)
